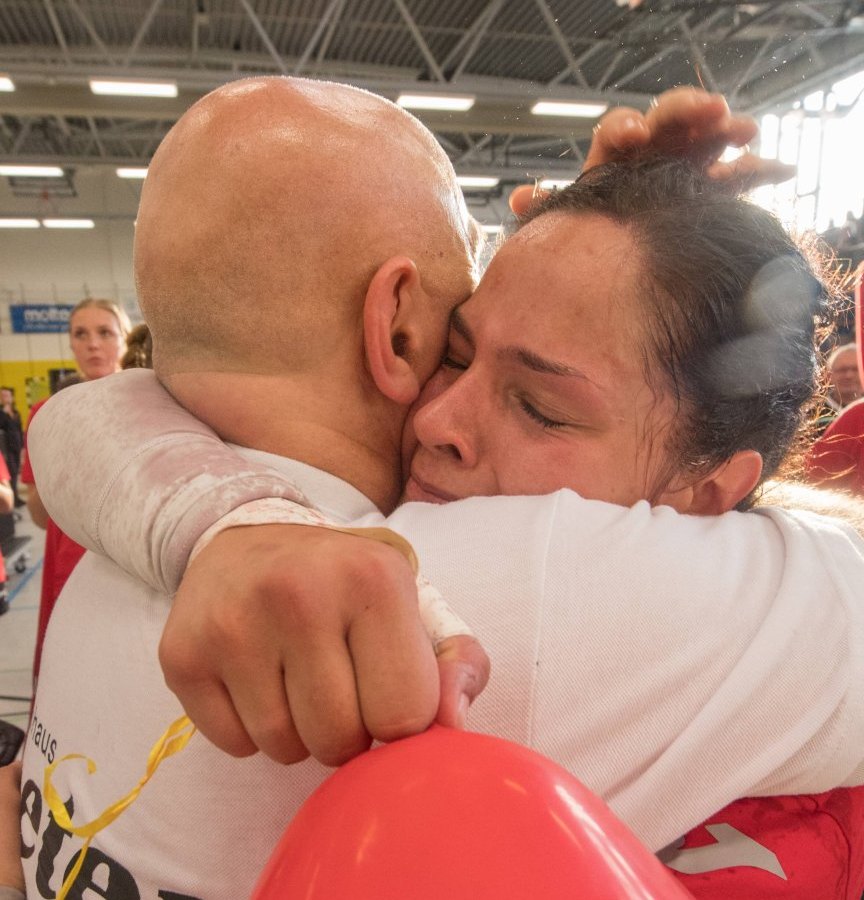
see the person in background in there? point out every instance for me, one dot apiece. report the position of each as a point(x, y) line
point(97, 336)
point(10, 422)
point(7, 499)
point(844, 380)
point(836, 460)
point(139, 349)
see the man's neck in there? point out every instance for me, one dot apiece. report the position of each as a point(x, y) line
point(330, 426)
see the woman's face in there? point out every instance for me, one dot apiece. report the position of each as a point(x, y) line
point(544, 385)
point(96, 341)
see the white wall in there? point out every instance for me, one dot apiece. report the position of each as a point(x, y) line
point(57, 266)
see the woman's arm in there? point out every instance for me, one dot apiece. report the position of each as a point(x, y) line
point(127, 472)
point(11, 873)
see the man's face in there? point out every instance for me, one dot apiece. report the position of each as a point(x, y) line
point(543, 386)
point(845, 378)
point(5, 397)
point(459, 276)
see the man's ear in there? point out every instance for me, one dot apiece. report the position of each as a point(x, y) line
point(392, 318)
point(722, 489)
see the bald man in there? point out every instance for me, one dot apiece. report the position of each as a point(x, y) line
point(306, 351)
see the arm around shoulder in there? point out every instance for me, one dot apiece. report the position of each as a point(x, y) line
point(144, 487)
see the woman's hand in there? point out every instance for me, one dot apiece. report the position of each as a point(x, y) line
point(686, 122)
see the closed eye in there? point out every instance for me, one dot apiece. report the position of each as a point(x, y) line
point(449, 363)
point(538, 417)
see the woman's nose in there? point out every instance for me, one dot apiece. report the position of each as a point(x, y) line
point(447, 422)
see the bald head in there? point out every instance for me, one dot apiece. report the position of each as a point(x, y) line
point(268, 208)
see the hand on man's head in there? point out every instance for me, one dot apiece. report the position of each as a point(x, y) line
point(323, 653)
point(683, 122)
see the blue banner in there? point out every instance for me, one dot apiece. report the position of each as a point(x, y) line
point(40, 318)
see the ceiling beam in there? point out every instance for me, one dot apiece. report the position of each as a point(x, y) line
point(561, 41)
point(55, 27)
point(142, 31)
point(419, 40)
point(323, 24)
point(264, 37)
point(90, 28)
point(479, 28)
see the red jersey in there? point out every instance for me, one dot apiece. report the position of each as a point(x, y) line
point(61, 556)
point(837, 458)
point(808, 847)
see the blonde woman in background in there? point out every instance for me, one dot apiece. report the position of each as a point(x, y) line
point(97, 337)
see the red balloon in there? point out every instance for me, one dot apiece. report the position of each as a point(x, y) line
point(463, 816)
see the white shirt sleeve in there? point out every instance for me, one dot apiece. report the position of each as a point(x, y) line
point(124, 470)
point(673, 663)
point(158, 485)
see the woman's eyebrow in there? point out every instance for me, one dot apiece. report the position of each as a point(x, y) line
point(537, 363)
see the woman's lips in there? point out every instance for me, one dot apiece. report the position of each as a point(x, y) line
point(418, 490)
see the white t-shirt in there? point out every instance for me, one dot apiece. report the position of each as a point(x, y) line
point(672, 663)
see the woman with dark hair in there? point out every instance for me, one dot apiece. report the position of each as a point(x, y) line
point(643, 335)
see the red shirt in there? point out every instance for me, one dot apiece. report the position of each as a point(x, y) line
point(837, 458)
point(61, 556)
point(808, 847)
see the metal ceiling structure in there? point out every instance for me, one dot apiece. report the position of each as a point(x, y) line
point(507, 53)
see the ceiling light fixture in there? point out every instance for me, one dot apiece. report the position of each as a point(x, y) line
point(12, 171)
point(568, 109)
point(450, 102)
point(6, 83)
point(477, 181)
point(68, 223)
point(134, 172)
point(124, 88)
point(19, 223)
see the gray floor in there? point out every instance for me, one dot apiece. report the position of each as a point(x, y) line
point(18, 628)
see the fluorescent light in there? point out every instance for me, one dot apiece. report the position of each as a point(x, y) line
point(452, 102)
point(555, 184)
point(132, 173)
point(123, 88)
point(6, 83)
point(19, 223)
point(68, 223)
point(582, 110)
point(492, 229)
point(476, 181)
point(32, 171)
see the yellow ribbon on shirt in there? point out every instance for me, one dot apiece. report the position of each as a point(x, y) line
point(175, 738)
